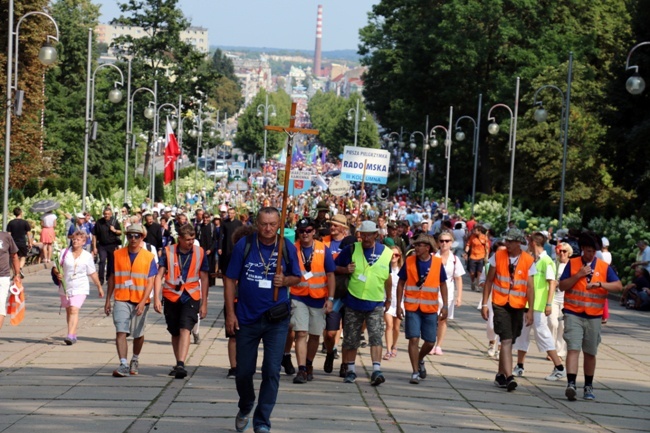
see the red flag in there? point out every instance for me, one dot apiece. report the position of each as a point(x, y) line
point(172, 152)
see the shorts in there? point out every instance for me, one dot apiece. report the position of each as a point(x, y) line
point(543, 336)
point(353, 327)
point(333, 320)
point(23, 250)
point(5, 282)
point(581, 333)
point(475, 266)
point(644, 300)
point(180, 315)
point(72, 301)
point(127, 321)
point(306, 318)
point(421, 325)
point(508, 321)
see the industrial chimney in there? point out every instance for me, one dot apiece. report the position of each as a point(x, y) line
point(319, 37)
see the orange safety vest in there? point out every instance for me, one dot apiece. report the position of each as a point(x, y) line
point(502, 291)
point(137, 273)
point(479, 246)
point(426, 297)
point(173, 287)
point(579, 299)
point(316, 286)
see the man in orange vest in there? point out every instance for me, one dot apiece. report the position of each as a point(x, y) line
point(311, 298)
point(131, 281)
point(510, 279)
point(184, 268)
point(422, 280)
point(585, 282)
point(477, 250)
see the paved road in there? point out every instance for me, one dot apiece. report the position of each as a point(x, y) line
point(47, 386)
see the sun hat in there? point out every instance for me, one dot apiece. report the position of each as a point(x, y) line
point(367, 227)
point(340, 220)
point(135, 228)
point(514, 234)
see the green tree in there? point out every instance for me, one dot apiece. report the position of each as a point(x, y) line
point(250, 130)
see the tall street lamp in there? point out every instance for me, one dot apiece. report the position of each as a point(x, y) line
point(541, 115)
point(635, 84)
point(149, 113)
point(434, 143)
point(425, 149)
point(356, 119)
point(115, 96)
point(197, 132)
point(396, 140)
point(493, 129)
point(264, 109)
point(460, 136)
point(47, 56)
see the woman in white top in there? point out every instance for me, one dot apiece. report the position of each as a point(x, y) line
point(455, 271)
point(564, 252)
point(48, 221)
point(78, 267)
point(390, 316)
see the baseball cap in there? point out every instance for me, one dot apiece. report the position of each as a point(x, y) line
point(167, 209)
point(80, 215)
point(605, 242)
point(304, 223)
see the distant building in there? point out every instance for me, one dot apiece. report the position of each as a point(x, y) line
point(107, 33)
point(253, 74)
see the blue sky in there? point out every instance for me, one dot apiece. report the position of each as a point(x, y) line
point(271, 23)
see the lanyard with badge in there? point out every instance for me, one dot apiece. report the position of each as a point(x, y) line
point(362, 277)
point(266, 283)
point(307, 263)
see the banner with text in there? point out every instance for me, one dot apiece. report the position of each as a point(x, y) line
point(377, 162)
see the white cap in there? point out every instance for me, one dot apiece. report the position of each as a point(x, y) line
point(80, 215)
point(167, 209)
point(605, 242)
point(223, 208)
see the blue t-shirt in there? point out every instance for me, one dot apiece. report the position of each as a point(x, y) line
point(344, 259)
point(252, 300)
point(423, 269)
point(329, 267)
point(86, 228)
point(611, 277)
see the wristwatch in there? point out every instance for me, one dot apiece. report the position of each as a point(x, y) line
point(330, 299)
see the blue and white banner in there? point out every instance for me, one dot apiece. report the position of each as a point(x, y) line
point(376, 163)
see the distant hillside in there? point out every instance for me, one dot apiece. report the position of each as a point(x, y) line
point(349, 55)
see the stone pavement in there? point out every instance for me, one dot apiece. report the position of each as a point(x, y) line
point(48, 386)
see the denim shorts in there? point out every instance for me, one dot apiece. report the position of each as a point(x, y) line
point(421, 325)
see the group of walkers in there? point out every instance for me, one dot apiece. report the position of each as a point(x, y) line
point(345, 273)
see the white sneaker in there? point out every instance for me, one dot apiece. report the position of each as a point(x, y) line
point(556, 375)
point(492, 350)
point(518, 371)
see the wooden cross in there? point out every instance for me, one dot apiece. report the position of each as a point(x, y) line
point(290, 131)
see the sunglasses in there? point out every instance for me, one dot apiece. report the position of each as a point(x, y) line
point(397, 256)
point(444, 241)
point(305, 231)
point(133, 235)
point(564, 251)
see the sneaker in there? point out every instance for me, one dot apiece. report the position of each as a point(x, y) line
point(377, 378)
point(133, 367)
point(289, 369)
point(492, 350)
point(422, 371)
point(511, 383)
point(241, 422)
point(70, 341)
point(181, 373)
point(571, 392)
point(310, 373)
point(437, 351)
point(343, 371)
point(122, 371)
point(336, 353)
point(363, 343)
point(556, 375)
point(197, 337)
point(500, 381)
point(350, 377)
point(301, 377)
point(323, 349)
point(232, 373)
point(329, 363)
point(589, 393)
point(173, 371)
point(518, 371)
point(262, 429)
point(415, 379)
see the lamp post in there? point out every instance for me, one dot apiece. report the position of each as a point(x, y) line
point(264, 109)
point(115, 96)
point(540, 116)
point(356, 119)
point(425, 149)
point(460, 136)
point(493, 129)
point(197, 132)
point(400, 144)
point(434, 143)
point(635, 84)
point(149, 113)
point(128, 131)
point(47, 56)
